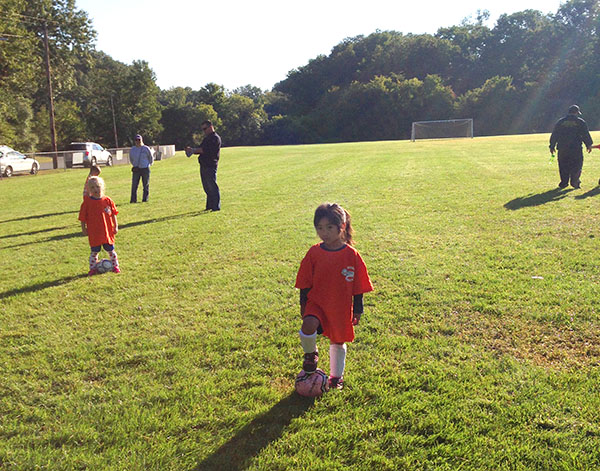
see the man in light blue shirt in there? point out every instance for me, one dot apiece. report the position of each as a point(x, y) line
point(141, 158)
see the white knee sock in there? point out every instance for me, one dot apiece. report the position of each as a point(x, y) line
point(337, 359)
point(113, 258)
point(308, 342)
point(93, 260)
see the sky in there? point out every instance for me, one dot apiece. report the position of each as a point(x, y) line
point(257, 42)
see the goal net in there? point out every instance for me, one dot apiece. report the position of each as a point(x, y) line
point(442, 129)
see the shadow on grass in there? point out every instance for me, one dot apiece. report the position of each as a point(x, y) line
point(39, 216)
point(50, 229)
point(589, 194)
point(162, 219)
point(121, 227)
point(248, 442)
point(555, 194)
point(40, 286)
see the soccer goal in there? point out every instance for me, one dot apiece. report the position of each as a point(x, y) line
point(442, 129)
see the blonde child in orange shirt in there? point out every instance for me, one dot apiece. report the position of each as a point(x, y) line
point(98, 216)
point(332, 279)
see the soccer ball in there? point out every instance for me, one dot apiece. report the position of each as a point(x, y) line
point(104, 265)
point(312, 385)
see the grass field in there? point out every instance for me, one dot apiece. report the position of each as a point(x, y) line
point(478, 350)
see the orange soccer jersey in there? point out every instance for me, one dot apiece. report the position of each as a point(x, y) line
point(333, 277)
point(97, 215)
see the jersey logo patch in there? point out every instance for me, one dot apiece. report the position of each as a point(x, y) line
point(348, 273)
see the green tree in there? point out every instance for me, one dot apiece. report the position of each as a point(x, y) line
point(305, 86)
point(16, 119)
point(519, 46)
point(466, 69)
point(242, 121)
point(69, 125)
point(137, 104)
point(384, 108)
point(175, 96)
point(182, 123)
point(412, 56)
point(99, 92)
point(282, 130)
point(252, 92)
point(129, 90)
point(211, 94)
point(18, 70)
point(494, 106)
point(70, 39)
point(577, 25)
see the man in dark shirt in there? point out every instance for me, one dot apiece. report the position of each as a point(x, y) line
point(210, 151)
point(569, 132)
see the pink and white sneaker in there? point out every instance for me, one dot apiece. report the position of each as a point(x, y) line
point(116, 270)
point(336, 383)
point(92, 272)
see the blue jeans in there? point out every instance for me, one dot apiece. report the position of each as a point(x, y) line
point(144, 173)
point(208, 176)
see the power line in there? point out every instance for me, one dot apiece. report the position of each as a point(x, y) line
point(29, 18)
point(14, 18)
point(20, 22)
point(8, 35)
point(26, 21)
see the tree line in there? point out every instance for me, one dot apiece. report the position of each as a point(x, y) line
point(518, 76)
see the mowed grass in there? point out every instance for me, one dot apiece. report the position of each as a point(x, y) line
point(478, 350)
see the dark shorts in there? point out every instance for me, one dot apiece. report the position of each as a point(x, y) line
point(313, 310)
point(107, 247)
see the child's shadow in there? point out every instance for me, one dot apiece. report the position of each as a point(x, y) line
point(40, 286)
point(589, 194)
point(538, 199)
point(247, 443)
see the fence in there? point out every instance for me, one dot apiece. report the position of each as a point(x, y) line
point(69, 158)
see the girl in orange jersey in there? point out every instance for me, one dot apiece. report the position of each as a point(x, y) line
point(98, 216)
point(332, 279)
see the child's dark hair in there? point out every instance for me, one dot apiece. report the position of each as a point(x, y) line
point(337, 215)
point(95, 169)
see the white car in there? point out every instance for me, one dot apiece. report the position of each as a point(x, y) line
point(12, 162)
point(90, 153)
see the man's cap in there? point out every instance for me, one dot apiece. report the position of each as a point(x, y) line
point(137, 136)
point(574, 109)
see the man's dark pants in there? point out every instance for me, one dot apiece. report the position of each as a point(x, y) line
point(570, 163)
point(208, 175)
point(144, 174)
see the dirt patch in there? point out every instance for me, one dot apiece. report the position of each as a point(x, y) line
point(544, 344)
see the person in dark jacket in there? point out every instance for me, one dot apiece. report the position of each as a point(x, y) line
point(569, 132)
point(210, 152)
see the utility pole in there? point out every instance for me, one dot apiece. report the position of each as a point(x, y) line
point(112, 106)
point(51, 99)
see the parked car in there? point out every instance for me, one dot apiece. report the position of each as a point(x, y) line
point(12, 162)
point(90, 154)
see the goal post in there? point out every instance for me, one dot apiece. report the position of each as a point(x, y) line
point(442, 129)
